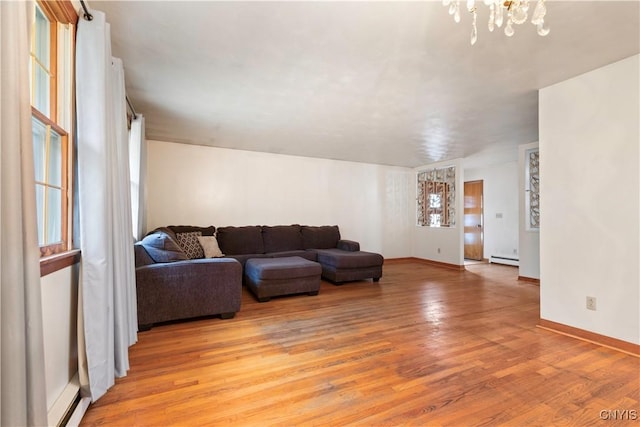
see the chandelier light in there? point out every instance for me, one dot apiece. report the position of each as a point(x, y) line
point(515, 12)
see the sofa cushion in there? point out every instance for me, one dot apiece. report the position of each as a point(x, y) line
point(210, 246)
point(323, 237)
point(282, 238)
point(240, 240)
point(206, 231)
point(161, 247)
point(190, 244)
point(343, 259)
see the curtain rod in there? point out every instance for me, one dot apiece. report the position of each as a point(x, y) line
point(87, 15)
point(135, 116)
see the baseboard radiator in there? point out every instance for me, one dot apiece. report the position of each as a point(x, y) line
point(507, 260)
point(69, 408)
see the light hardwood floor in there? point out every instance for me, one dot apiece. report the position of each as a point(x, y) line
point(425, 346)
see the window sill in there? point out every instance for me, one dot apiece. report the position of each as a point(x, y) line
point(51, 264)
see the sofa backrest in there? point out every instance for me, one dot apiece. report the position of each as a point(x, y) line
point(161, 245)
point(282, 238)
point(322, 237)
point(240, 240)
point(206, 231)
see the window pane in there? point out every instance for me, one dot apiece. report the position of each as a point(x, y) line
point(41, 88)
point(41, 65)
point(40, 212)
point(43, 32)
point(55, 160)
point(39, 147)
point(435, 201)
point(54, 215)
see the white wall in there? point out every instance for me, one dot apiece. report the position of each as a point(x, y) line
point(59, 315)
point(529, 240)
point(198, 185)
point(426, 241)
point(500, 205)
point(590, 196)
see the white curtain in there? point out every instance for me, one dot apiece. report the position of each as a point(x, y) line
point(23, 400)
point(108, 315)
point(138, 163)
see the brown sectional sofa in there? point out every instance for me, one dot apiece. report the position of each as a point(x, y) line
point(170, 286)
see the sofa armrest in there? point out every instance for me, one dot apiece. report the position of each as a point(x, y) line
point(348, 245)
point(185, 289)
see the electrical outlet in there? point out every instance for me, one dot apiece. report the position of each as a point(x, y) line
point(438, 250)
point(591, 303)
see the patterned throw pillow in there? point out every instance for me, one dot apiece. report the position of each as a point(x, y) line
point(190, 244)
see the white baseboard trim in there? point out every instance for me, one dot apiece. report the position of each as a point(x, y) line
point(507, 260)
point(78, 413)
point(64, 403)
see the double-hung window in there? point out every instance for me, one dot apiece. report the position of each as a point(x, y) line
point(51, 70)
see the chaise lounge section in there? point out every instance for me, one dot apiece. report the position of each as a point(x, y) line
point(339, 266)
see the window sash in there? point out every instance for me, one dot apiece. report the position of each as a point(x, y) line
point(44, 41)
point(51, 69)
point(51, 183)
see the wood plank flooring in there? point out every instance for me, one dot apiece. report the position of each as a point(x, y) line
point(426, 346)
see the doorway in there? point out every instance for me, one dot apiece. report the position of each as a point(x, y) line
point(473, 220)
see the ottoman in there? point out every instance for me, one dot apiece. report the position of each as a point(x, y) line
point(270, 277)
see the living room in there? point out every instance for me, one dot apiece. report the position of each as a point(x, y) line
point(586, 120)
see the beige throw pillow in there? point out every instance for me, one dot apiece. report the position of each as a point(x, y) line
point(210, 246)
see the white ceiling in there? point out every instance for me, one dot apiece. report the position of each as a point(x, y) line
point(393, 83)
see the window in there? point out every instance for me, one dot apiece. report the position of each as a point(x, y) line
point(51, 106)
point(532, 190)
point(436, 197)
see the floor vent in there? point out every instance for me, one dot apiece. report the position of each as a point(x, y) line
point(497, 259)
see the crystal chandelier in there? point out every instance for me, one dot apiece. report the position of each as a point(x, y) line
point(516, 11)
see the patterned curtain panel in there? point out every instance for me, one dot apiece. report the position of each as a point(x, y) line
point(534, 188)
point(436, 197)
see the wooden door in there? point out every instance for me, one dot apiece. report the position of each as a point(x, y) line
point(473, 220)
